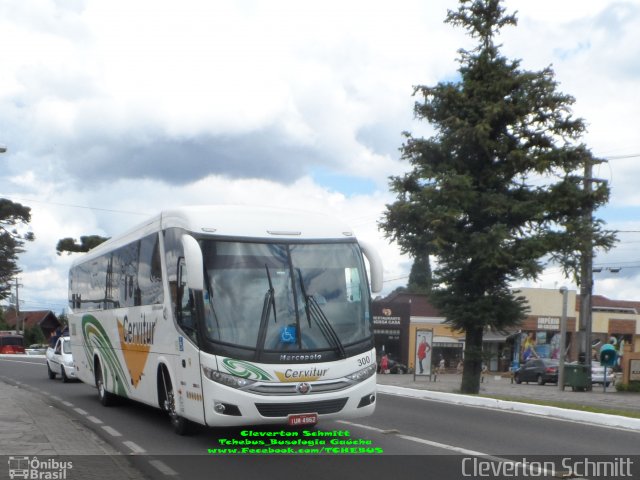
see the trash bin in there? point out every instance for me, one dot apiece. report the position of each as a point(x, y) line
point(577, 376)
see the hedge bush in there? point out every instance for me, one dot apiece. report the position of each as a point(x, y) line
point(630, 387)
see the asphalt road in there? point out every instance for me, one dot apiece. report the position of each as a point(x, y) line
point(407, 435)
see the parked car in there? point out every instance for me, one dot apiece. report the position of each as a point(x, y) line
point(540, 370)
point(37, 349)
point(60, 360)
point(11, 343)
point(597, 374)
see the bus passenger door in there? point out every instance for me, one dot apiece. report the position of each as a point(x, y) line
point(189, 401)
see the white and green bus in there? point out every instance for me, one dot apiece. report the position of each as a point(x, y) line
point(228, 316)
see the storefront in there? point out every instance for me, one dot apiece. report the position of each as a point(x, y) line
point(540, 337)
point(497, 350)
point(397, 317)
point(391, 329)
point(448, 349)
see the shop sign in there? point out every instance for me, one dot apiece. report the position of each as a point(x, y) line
point(548, 323)
point(634, 370)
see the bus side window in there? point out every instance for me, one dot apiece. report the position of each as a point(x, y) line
point(185, 307)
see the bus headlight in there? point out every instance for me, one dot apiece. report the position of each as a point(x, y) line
point(363, 374)
point(226, 379)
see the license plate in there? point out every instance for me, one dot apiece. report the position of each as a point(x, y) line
point(303, 419)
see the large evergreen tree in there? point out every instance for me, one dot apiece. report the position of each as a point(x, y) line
point(420, 276)
point(497, 189)
point(13, 216)
point(87, 242)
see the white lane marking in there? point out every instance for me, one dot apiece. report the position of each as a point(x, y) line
point(366, 427)
point(94, 419)
point(532, 468)
point(67, 404)
point(81, 411)
point(453, 448)
point(111, 431)
point(20, 361)
point(419, 440)
point(56, 398)
point(163, 468)
point(134, 447)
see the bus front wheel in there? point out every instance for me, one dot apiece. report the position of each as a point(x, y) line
point(180, 425)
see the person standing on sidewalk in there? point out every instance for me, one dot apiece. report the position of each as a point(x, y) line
point(384, 364)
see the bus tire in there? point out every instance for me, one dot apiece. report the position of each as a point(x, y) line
point(106, 399)
point(167, 401)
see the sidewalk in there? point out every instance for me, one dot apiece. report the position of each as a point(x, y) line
point(447, 387)
point(33, 426)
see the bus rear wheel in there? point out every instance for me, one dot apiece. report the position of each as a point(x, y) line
point(107, 399)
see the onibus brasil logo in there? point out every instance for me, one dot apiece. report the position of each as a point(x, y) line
point(34, 468)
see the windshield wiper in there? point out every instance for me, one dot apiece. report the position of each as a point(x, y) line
point(314, 311)
point(304, 295)
point(268, 304)
point(272, 295)
point(210, 300)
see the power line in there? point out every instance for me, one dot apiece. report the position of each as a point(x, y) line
point(393, 279)
point(621, 157)
point(30, 200)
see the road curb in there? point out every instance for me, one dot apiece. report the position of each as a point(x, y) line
point(601, 419)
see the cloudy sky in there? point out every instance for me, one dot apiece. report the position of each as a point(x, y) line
point(111, 111)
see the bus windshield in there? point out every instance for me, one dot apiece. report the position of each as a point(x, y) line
point(284, 297)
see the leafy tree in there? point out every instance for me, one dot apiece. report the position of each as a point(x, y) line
point(497, 189)
point(70, 245)
point(13, 217)
point(34, 335)
point(3, 322)
point(64, 320)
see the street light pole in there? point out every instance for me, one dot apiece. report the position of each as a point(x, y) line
point(563, 338)
point(586, 272)
point(18, 285)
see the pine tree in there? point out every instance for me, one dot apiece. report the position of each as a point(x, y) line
point(13, 216)
point(420, 276)
point(497, 188)
point(87, 242)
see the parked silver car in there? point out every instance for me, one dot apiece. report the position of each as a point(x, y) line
point(36, 349)
point(598, 375)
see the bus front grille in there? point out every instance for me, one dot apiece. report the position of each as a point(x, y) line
point(286, 409)
point(290, 388)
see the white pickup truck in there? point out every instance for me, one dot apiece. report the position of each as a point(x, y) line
point(60, 360)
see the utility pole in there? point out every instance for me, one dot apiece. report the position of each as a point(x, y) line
point(18, 285)
point(563, 338)
point(586, 270)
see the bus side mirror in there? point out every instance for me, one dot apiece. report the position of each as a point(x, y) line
point(375, 265)
point(193, 262)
